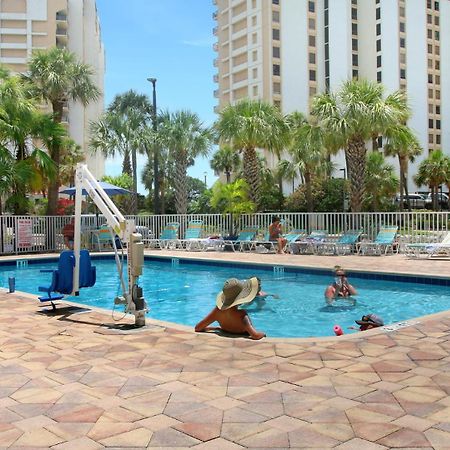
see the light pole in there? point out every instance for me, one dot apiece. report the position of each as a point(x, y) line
point(204, 174)
point(343, 187)
point(155, 152)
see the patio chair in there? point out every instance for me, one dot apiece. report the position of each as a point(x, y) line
point(167, 239)
point(245, 240)
point(192, 238)
point(271, 246)
point(383, 243)
point(307, 244)
point(344, 245)
point(102, 238)
point(429, 249)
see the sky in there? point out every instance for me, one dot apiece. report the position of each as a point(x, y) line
point(170, 40)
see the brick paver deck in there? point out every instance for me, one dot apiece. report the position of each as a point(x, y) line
point(70, 381)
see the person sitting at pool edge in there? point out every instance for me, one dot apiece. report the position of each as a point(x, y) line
point(340, 287)
point(276, 234)
point(69, 232)
point(231, 319)
point(367, 322)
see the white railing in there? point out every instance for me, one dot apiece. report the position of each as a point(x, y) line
point(43, 234)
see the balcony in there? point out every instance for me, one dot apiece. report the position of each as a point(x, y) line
point(216, 47)
point(216, 78)
point(214, 2)
point(61, 16)
point(216, 93)
point(215, 30)
point(214, 15)
point(61, 31)
point(216, 62)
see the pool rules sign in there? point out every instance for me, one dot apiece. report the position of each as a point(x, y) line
point(24, 233)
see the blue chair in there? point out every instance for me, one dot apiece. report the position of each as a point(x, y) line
point(62, 277)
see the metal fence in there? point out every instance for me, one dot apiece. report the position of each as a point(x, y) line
point(43, 234)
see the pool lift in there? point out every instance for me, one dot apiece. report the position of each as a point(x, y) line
point(132, 296)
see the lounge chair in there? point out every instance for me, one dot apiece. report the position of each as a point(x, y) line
point(192, 238)
point(307, 244)
point(245, 240)
point(429, 249)
point(102, 238)
point(168, 237)
point(383, 243)
point(344, 245)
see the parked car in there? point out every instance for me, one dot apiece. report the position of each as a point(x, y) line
point(417, 201)
point(442, 199)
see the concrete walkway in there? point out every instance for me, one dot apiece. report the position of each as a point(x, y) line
point(73, 380)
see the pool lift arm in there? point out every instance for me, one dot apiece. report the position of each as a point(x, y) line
point(132, 296)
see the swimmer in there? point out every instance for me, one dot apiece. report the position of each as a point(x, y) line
point(340, 288)
point(231, 319)
point(368, 322)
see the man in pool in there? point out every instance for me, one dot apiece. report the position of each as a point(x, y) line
point(232, 319)
point(340, 288)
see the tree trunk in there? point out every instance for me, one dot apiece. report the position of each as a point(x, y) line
point(228, 175)
point(434, 190)
point(126, 164)
point(181, 191)
point(55, 153)
point(355, 156)
point(401, 183)
point(134, 200)
point(309, 199)
point(162, 195)
point(252, 175)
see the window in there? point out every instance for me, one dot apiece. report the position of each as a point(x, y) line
point(379, 61)
point(325, 4)
point(254, 21)
point(312, 75)
point(429, 18)
point(429, 4)
point(402, 27)
point(430, 48)
point(327, 34)
point(437, 65)
point(311, 6)
point(402, 73)
point(402, 42)
point(430, 93)
point(401, 11)
point(430, 78)
point(378, 14)
point(255, 55)
point(255, 91)
point(312, 58)
point(355, 29)
point(276, 34)
point(312, 91)
point(311, 24)
point(379, 77)
point(354, 2)
point(436, 6)
point(354, 14)
point(430, 34)
point(327, 52)
point(276, 16)
point(438, 124)
point(355, 60)
point(276, 69)
point(276, 52)
point(437, 50)
point(378, 29)
point(276, 2)
point(437, 35)
point(254, 38)
point(436, 20)
point(355, 74)
point(254, 4)
point(402, 58)
point(276, 88)
point(255, 73)
point(430, 138)
point(438, 110)
point(430, 123)
point(378, 45)
point(430, 63)
point(312, 41)
point(277, 103)
point(438, 139)
point(437, 79)
point(430, 108)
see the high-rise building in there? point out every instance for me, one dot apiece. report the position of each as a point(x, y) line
point(28, 25)
point(286, 51)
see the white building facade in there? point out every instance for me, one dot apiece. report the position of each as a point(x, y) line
point(27, 25)
point(286, 51)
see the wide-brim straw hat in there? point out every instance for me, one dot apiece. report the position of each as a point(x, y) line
point(237, 292)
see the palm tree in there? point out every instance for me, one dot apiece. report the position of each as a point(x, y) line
point(352, 116)
point(434, 171)
point(57, 76)
point(248, 125)
point(286, 169)
point(225, 160)
point(307, 149)
point(402, 142)
point(185, 137)
point(381, 182)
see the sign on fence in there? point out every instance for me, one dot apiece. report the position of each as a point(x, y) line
point(24, 233)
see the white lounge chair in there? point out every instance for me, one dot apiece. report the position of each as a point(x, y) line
point(429, 249)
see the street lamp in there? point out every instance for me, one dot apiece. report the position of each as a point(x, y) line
point(155, 152)
point(204, 174)
point(343, 187)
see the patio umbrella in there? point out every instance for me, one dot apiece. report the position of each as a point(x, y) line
point(110, 189)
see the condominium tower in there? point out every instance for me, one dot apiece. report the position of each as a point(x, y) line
point(27, 25)
point(286, 51)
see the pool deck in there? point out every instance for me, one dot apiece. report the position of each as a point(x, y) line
point(73, 380)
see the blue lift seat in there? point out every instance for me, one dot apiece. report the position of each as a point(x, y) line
point(62, 277)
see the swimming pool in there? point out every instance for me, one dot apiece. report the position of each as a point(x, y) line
point(185, 292)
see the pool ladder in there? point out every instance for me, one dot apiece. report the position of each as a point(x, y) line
point(175, 263)
point(22, 263)
point(278, 272)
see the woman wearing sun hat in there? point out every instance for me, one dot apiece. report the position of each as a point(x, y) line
point(231, 319)
point(340, 287)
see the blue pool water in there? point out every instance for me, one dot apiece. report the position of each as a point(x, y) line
point(185, 294)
